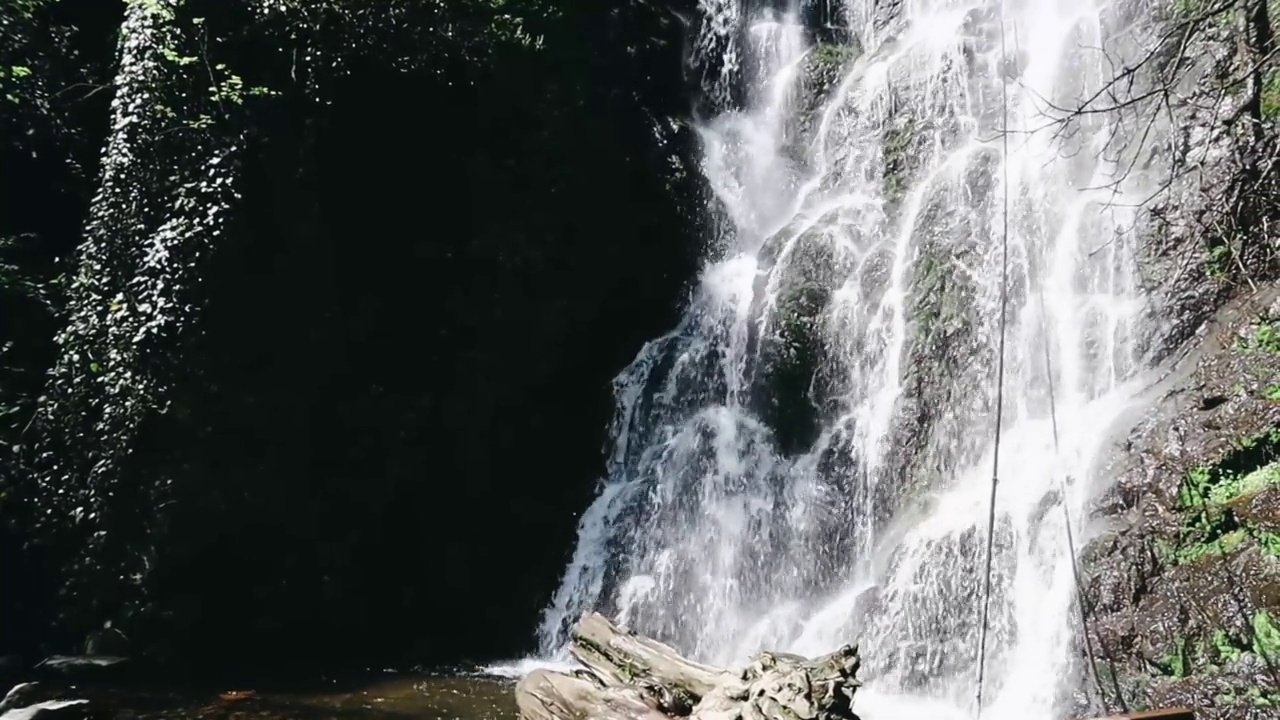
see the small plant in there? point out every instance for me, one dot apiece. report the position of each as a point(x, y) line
point(1265, 339)
point(1263, 700)
point(1272, 392)
point(1215, 264)
point(1226, 649)
point(1196, 488)
point(1176, 663)
point(1266, 637)
point(1221, 545)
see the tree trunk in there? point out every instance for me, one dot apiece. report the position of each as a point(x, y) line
point(631, 677)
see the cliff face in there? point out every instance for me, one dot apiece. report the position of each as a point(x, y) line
point(337, 317)
point(1183, 581)
point(1184, 588)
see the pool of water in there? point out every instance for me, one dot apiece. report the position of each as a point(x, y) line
point(429, 697)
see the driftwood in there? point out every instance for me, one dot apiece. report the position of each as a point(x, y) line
point(630, 677)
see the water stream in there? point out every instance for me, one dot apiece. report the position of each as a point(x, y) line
point(806, 458)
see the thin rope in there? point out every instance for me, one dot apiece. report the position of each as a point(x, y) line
point(1066, 515)
point(1004, 301)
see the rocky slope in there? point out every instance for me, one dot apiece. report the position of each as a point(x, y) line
point(1183, 587)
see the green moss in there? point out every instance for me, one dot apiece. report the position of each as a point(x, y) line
point(1217, 261)
point(1271, 94)
point(1220, 545)
point(1187, 8)
point(1270, 543)
point(1259, 699)
point(1177, 663)
point(1209, 495)
point(1236, 486)
point(897, 142)
point(1266, 637)
point(798, 347)
point(1226, 649)
point(832, 55)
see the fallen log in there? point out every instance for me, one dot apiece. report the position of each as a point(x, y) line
point(627, 676)
point(1166, 714)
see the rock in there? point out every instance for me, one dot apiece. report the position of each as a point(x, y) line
point(631, 677)
point(1186, 563)
point(19, 695)
point(107, 642)
point(50, 710)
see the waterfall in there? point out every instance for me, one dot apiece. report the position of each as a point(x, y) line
point(806, 458)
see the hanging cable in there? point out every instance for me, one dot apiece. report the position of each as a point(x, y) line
point(1004, 301)
point(1066, 516)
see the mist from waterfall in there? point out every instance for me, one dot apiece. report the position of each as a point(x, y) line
point(806, 458)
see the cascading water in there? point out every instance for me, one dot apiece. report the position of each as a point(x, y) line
point(806, 459)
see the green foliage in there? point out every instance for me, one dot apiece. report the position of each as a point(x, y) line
point(1266, 637)
point(1264, 338)
point(166, 192)
point(1217, 262)
point(25, 294)
point(1235, 486)
point(330, 35)
point(1206, 500)
point(1177, 663)
point(1225, 647)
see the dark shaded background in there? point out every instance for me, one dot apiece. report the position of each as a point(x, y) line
point(397, 402)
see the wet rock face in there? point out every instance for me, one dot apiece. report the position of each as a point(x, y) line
point(820, 73)
point(1184, 593)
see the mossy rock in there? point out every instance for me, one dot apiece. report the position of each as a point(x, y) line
point(794, 347)
point(823, 66)
point(820, 72)
point(794, 353)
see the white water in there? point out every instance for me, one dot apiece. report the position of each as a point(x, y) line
point(708, 535)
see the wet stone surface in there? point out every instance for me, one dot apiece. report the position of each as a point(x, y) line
point(1184, 587)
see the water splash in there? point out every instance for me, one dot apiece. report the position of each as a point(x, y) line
point(805, 459)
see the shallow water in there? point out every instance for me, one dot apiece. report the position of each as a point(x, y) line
point(464, 698)
point(429, 697)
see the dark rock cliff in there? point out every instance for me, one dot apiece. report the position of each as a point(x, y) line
point(369, 442)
